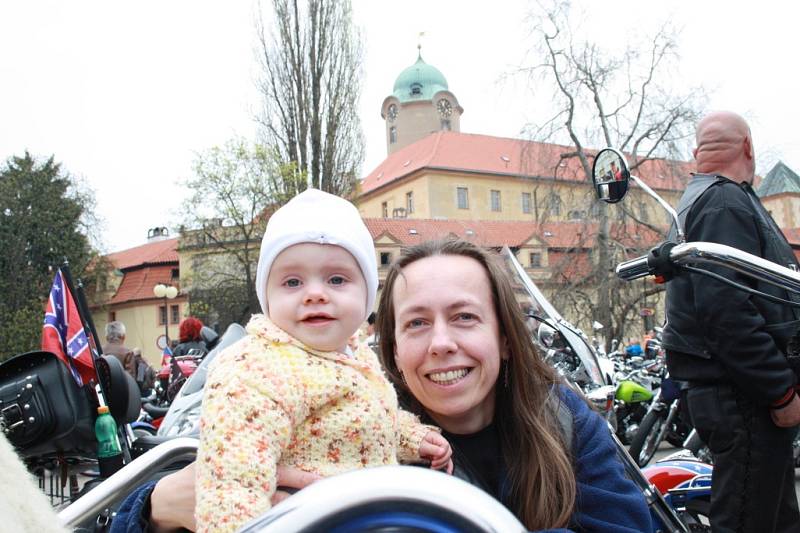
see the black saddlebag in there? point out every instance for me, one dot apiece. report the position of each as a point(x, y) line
point(43, 410)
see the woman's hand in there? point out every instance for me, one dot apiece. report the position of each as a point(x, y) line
point(292, 478)
point(173, 498)
point(437, 450)
point(172, 501)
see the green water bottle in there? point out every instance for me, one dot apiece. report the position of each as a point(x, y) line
point(109, 452)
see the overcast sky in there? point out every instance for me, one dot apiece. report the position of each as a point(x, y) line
point(126, 95)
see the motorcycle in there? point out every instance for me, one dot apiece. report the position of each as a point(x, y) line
point(662, 421)
point(176, 369)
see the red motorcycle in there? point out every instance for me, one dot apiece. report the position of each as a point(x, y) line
point(175, 370)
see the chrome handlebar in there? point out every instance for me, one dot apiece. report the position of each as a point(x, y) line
point(709, 253)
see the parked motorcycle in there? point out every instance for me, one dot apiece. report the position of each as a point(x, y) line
point(663, 421)
point(175, 370)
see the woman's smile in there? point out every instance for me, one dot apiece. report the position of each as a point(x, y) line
point(449, 377)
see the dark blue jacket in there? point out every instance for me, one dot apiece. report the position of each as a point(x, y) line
point(607, 501)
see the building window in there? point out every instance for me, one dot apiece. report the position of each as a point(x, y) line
point(554, 204)
point(174, 314)
point(495, 200)
point(576, 214)
point(385, 209)
point(446, 124)
point(386, 259)
point(175, 273)
point(410, 202)
point(462, 197)
point(162, 315)
point(526, 203)
point(536, 260)
point(392, 135)
point(112, 316)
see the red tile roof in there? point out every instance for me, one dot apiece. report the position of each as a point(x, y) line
point(138, 284)
point(152, 253)
point(466, 152)
point(496, 233)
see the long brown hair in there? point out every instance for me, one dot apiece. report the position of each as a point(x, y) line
point(541, 477)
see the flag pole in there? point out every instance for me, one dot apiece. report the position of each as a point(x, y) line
point(88, 326)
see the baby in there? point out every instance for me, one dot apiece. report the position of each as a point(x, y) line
point(292, 392)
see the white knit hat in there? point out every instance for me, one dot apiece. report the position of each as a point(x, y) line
point(318, 217)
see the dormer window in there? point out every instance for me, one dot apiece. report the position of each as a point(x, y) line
point(416, 89)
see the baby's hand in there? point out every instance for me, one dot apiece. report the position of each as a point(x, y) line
point(436, 449)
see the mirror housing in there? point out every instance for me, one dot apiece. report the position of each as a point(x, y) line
point(546, 335)
point(610, 174)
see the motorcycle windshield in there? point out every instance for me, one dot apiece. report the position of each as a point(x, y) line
point(198, 380)
point(575, 357)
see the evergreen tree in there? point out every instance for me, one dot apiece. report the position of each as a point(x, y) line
point(41, 215)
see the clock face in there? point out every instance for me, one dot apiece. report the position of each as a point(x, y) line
point(444, 107)
point(392, 113)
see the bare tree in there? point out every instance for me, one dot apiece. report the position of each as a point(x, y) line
point(609, 99)
point(311, 84)
point(234, 189)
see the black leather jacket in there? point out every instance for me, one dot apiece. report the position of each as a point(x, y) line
point(716, 333)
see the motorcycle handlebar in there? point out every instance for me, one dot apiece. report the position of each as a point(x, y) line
point(634, 269)
point(709, 253)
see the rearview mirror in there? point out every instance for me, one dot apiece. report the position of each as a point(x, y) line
point(610, 174)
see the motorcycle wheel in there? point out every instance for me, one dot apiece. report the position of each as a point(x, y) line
point(648, 437)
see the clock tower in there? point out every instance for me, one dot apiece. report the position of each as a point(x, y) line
point(419, 105)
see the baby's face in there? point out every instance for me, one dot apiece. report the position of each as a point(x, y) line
point(317, 294)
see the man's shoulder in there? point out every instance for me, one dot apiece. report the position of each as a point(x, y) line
point(119, 350)
point(724, 194)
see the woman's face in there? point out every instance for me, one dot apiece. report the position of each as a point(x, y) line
point(448, 340)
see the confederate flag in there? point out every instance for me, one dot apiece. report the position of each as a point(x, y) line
point(63, 332)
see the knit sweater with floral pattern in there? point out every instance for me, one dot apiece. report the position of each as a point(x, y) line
point(271, 400)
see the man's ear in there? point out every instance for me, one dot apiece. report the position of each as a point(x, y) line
point(748, 147)
point(694, 154)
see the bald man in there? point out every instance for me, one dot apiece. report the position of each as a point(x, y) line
point(731, 346)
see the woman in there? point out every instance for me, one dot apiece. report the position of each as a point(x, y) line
point(189, 331)
point(454, 343)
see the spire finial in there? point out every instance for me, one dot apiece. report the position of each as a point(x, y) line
point(419, 44)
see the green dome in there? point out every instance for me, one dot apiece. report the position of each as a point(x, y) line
point(420, 81)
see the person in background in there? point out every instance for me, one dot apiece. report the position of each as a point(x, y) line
point(731, 346)
point(370, 338)
point(145, 374)
point(634, 348)
point(190, 338)
point(115, 345)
